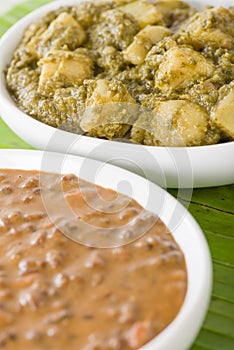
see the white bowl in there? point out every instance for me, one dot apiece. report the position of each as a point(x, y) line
point(180, 334)
point(167, 166)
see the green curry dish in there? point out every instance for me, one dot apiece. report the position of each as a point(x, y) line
point(158, 73)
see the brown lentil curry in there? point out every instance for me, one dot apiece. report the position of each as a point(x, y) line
point(158, 73)
point(57, 294)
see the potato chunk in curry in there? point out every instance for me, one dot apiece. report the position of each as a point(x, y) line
point(223, 114)
point(63, 69)
point(143, 42)
point(172, 123)
point(110, 109)
point(181, 67)
point(144, 12)
point(63, 32)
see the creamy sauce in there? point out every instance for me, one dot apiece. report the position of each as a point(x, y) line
point(57, 294)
